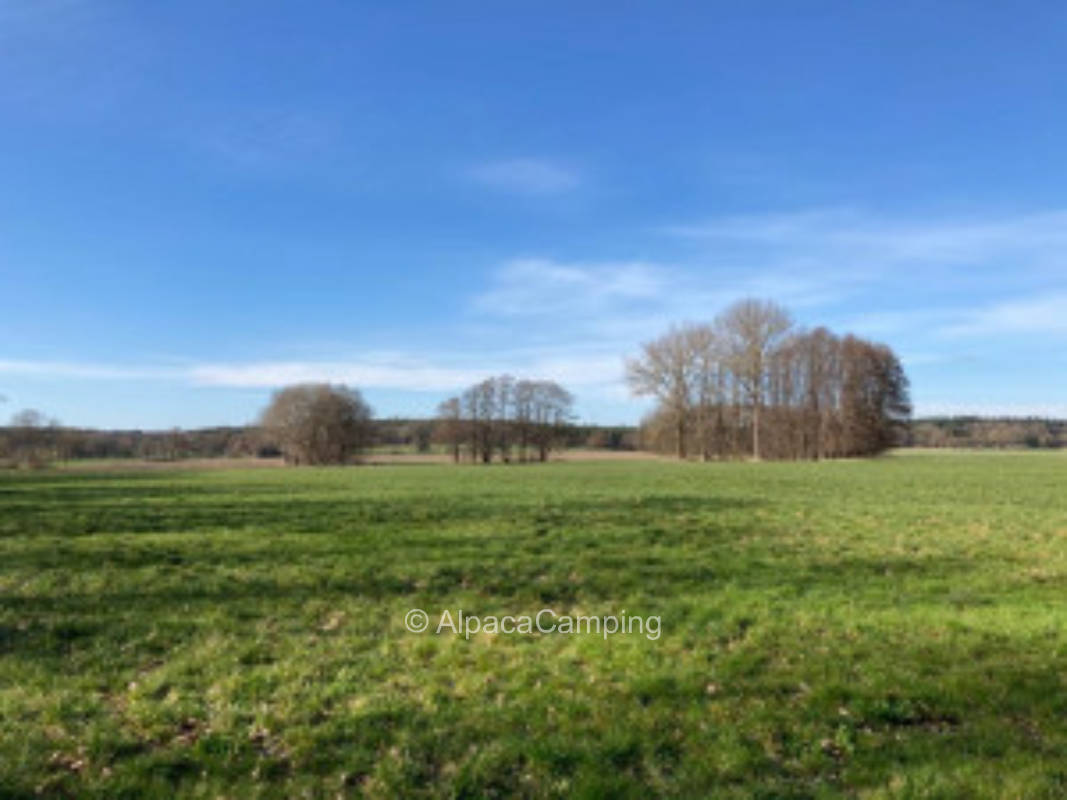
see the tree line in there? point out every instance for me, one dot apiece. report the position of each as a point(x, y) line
point(748, 383)
point(498, 418)
point(44, 441)
point(505, 418)
point(751, 383)
point(984, 432)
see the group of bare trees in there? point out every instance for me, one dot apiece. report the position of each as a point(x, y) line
point(751, 383)
point(505, 417)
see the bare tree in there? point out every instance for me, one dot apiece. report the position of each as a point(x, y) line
point(33, 439)
point(316, 423)
point(450, 430)
point(504, 418)
point(524, 397)
point(551, 406)
point(752, 329)
point(708, 383)
point(29, 418)
point(485, 408)
point(666, 370)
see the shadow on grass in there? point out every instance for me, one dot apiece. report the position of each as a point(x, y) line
point(189, 508)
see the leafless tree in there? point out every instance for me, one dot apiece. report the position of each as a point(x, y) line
point(551, 407)
point(667, 370)
point(504, 416)
point(483, 405)
point(709, 382)
point(29, 418)
point(752, 329)
point(450, 430)
point(33, 439)
point(316, 423)
point(524, 399)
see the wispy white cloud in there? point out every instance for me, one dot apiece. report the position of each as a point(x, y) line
point(88, 370)
point(845, 237)
point(843, 230)
point(617, 304)
point(410, 374)
point(540, 286)
point(592, 373)
point(1043, 314)
point(401, 372)
point(941, 273)
point(534, 176)
point(772, 228)
point(269, 374)
point(1016, 410)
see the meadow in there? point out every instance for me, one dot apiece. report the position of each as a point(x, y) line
point(891, 628)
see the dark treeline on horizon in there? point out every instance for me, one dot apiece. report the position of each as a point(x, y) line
point(989, 432)
point(420, 435)
point(40, 445)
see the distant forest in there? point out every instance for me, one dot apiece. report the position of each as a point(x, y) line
point(55, 442)
point(424, 436)
point(1003, 432)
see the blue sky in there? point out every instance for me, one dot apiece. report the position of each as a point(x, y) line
point(201, 201)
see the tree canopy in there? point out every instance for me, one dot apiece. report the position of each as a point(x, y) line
point(317, 423)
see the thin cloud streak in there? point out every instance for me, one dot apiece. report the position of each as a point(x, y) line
point(539, 286)
point(87, 370)
point(1043, 314)
point(618, 304)
point(534, 176)
point(857, 251)
point(600, 373)
point(1004, 410)
point(1022, 256)
point(889, 239)
point(582, 370)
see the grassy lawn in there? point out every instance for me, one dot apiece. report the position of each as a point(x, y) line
point(892, 628)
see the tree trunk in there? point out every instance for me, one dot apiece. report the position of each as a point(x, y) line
point(755, 431)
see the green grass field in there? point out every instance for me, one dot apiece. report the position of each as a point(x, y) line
point(892, 628)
